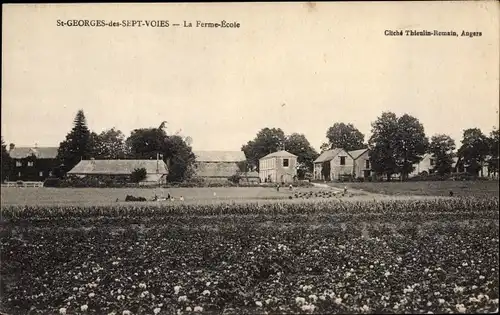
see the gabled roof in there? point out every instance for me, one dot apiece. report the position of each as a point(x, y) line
point(39, 152)
point(328, 155)
point(357, 153)
point(117, 167)
point(281, 153)
point(219, 156)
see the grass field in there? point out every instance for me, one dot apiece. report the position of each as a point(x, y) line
point(431, 188)
point(92, 196)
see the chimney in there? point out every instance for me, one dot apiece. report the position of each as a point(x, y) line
point(11, 146)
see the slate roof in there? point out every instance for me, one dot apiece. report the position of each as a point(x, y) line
point(281, 153)
point(328, 155)
point(219, 156)
point(39, 152)
point(357, 153)
point(117, 167)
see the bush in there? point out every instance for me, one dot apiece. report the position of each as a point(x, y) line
point(137, 175)
point(235, 179)
point(52, 182)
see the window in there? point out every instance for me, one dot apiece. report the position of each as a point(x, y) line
point(367, 164)
point(41, 174)
point(342, 160)
point(19, 164)
point(285, 162)
point(30, 163)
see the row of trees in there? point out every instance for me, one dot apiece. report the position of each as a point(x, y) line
point(396, 145)
point(143, 143)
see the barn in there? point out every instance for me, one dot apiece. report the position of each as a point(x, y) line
point(156, 170)
point(217, 166)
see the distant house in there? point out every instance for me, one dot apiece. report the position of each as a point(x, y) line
point(217, 166)
point(156, 170)
point(31, 163)
point(333, 164)
point(361, 161)
point(278, 167)
point(426, 166)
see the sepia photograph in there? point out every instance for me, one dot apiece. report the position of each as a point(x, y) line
point(250, 158)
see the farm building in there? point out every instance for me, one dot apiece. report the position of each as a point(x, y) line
point(361, 161)
point(156, 170)
point(217, 166)
point(278, 167)
point(334, 164)
point(31, 163)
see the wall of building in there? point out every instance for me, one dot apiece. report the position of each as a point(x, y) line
point(216, 169)
point(337, 170)
point(426, 165)
point(360, 165)
point(272, 168)
point(317, 171)
point(31, 169)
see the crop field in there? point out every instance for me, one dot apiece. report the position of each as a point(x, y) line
point(345, 255)
point(429, 188)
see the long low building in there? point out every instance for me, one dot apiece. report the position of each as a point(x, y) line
point(156, 170)
point(218, 166)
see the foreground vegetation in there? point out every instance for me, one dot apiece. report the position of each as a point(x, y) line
point(338, 256)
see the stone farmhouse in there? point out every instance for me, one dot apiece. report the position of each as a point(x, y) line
point(336, 163)
point(31, 163)
point(156, 170)
point(278, 167)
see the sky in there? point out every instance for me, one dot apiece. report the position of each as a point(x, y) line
point(299, 67)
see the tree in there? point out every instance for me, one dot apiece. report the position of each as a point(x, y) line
point(345, 136)
point(396, 144)
point(382, 155)
point(475, 147)
point(6, 162)
point(267, 141)
point(180, 159)
point(325, 146)
point(109, 144)
point(411, 144)
point(299, 145)
point(441, 148)
point(493, 151)
point(77, 145)
point(137, 175)
point(148, 143)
